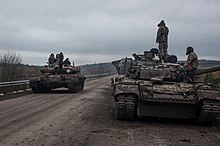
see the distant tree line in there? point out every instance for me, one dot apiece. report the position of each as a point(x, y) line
point(10, 66)
point(12, 69)
point(97, 68)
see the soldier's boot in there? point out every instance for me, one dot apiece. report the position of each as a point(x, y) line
point(165, 58)
point(160, 57)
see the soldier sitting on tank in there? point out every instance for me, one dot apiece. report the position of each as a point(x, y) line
point(191, 64)
point(57, 59)
point(51, 60)
point(66, 62)
point(58, 63)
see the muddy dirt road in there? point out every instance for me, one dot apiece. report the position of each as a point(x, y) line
point(86, 118)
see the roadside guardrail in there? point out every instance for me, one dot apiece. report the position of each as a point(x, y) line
point(14, 83)
point(26, 82)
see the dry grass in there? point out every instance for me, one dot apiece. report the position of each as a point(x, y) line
point(216, 74)
point(213, 77)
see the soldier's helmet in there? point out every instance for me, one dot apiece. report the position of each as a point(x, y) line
point(189, 50)
point(162, 23)
point(51, 55)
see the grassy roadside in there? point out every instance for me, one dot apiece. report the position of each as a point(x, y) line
point(213, 77)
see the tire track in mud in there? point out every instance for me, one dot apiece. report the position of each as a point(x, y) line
point(15, 111)
point(14, 102)
point(28, 115)
point(15, 119)
point(86, 118)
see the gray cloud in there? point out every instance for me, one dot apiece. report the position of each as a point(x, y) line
point(101, 30)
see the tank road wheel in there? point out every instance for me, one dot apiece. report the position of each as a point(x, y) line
point(126, 107)
point(209, 112)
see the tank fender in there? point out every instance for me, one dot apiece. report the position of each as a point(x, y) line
point(216, 99)
point(126, 89)
point(205, 94)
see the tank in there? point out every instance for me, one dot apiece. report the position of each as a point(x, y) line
point(52, 77)
point(147, 87)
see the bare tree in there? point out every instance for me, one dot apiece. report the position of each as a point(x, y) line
point(10, 66)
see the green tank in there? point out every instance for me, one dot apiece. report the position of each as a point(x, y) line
point(51, 78)
point(147, 87)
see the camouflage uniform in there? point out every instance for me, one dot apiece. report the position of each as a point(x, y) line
point(192, 61)
point(51, 60)
point(162, 39)
point(60, 62)
point(57, 60)
point(66, 62)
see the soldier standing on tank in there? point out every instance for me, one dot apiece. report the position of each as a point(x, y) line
point(192, 63)
point(61, 57)
point(162, 39)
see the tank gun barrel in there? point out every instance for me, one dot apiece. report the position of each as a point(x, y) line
point(207, 70)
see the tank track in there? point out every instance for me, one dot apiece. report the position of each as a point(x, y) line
point(209, 112)
point(125, 108)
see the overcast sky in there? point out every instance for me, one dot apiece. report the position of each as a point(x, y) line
point(94, 31)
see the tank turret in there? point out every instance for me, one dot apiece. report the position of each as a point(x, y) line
point(146, 67)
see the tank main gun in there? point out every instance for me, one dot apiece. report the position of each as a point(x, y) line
point(200, 71)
